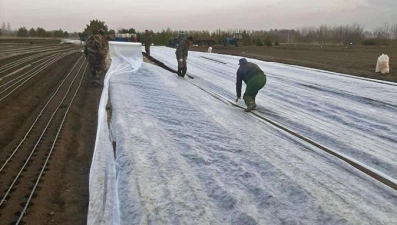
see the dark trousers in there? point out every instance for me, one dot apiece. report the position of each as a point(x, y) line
point(182, 67)
point(253, 86)
point(95, 63)
point(147, 49)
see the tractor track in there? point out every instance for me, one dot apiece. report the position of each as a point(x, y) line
point(367, 170)
point(24, 162)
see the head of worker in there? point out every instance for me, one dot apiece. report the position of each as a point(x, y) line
point(147, 31)
point(189, 40)
point(242, 61)
point(101, 31)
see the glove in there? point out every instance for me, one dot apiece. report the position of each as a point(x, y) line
point(180, 60)
point(237, 99)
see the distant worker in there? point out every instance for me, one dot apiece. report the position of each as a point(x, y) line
point(134, 38)
point(181, 55)
point(95, 51)
point(254, 78)
point(148, 42)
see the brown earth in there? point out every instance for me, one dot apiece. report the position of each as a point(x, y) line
point(354, 60)
point(30, 40)
point(63, 194)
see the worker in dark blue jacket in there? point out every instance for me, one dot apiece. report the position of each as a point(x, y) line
point(254, 78)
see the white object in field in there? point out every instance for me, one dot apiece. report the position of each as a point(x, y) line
point(71, 41)
point(209, 49)
point(382, 65)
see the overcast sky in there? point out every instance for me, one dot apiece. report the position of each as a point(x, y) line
point(73, 15)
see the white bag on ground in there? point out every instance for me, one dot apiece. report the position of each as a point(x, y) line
point(209, 49)
point(382, 64)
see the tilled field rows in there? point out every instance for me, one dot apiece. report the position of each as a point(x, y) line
point(37, 93)
point(355, 60)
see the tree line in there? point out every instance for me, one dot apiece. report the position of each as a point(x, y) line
point(6, 30)
point(40, 32)
point(323, 34)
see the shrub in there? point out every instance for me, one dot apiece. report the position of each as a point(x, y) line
point(369, 42)
point(259, 42)
point(268, 42)
point(375, 41)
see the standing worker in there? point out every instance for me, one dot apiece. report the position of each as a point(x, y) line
point(95, 51)
point(254, 78)
point(134, 38)
point(104, 39)
point(148, 42)
point(105, 42)
point(181, 55)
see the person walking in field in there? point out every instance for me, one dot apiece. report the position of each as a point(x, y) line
point(148, 42)
point(181, 55)
point(95, 51)
point(254, 78)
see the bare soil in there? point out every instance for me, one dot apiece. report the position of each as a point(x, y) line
point(353, 60)
point(63, 194)
point(30, 40)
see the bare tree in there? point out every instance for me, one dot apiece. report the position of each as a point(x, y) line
point(4, 29)
point(355, 33)
point(383, 32)
point(393, 30)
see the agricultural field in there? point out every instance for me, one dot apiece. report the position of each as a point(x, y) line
point(38, 79)
point(45, 86)
point(355, 60)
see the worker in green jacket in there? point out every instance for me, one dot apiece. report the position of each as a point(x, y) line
point(254, 78)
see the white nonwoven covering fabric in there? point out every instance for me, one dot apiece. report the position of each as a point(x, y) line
point(184, 157)
point(126, 58)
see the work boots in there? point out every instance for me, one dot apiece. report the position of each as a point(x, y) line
point(250, 107)
point(180, 71)
point(184, 69)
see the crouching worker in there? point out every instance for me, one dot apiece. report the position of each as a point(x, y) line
point(181, 55)
point(254, 78)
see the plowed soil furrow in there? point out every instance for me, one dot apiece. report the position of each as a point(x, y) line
point(24, 167)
